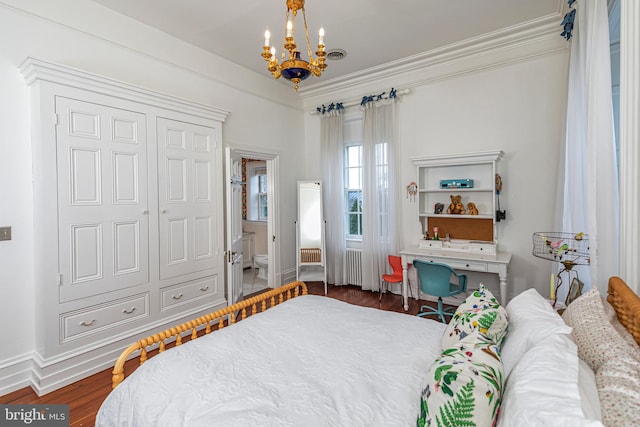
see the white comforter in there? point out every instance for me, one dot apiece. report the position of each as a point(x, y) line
point(311, 361)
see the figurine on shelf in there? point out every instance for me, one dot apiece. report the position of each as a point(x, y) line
point(438, 208)
point(456, 207)
point(472, 209)
point(435, 233)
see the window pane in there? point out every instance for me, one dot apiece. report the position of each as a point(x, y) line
point(262, 183)
point(353, 178)
point(263, 207)
point(353, 156)
point(354, 222)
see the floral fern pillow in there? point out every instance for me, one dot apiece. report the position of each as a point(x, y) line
point(464, 386)
point(480, 312)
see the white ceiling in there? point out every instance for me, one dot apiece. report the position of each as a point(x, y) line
point(373, 32)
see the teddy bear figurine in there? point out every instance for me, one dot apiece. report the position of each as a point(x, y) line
point(456, 207)
point(472, 209)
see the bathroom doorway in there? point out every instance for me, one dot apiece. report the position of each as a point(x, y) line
point(260, 245)
point(255, 215)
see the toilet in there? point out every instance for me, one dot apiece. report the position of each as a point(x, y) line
point(261, 262)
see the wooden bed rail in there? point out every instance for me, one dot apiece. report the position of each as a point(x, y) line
point(265, 301)
point(626, 304)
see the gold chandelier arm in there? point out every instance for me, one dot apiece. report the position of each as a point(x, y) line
point(306, 33)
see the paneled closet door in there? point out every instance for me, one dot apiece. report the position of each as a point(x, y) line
point(187, 195)
point(103, 216)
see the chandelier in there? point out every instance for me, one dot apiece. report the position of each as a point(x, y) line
point(294, 68)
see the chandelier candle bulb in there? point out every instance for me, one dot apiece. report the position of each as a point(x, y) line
point(321, 36)
point(289, 28)
point(267, 36)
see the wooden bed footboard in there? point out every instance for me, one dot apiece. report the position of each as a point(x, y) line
point(626, 304)
point(257, 304)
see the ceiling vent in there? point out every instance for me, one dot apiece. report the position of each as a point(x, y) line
point(336, 54)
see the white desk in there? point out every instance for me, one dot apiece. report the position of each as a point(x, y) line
point(468, 261)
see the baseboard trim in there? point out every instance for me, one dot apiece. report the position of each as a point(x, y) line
point(16, 373)
point(47, 374)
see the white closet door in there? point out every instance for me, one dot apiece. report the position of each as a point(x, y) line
point(187, 170)
point(102, 198)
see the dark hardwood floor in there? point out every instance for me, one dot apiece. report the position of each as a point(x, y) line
point(84, 397)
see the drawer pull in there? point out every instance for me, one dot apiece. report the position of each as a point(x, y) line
point(177, 296)
point(204, 288)
point(85, 323)
point(125, 311)
point(467, 265)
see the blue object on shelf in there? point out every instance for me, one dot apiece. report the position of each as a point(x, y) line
point(456, 183)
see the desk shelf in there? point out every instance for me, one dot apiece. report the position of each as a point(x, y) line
point(481, 168)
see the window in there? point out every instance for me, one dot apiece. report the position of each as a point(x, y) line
point(263, 210)
point(353, 189)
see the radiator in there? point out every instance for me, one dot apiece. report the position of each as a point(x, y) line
point(354, 267)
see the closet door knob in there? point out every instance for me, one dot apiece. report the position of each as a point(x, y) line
point(164, 211)
point(145, 212)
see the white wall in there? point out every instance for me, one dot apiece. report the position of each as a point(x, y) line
point(84, 35)
point(511, 99)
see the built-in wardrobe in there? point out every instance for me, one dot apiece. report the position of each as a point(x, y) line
point(128, 216)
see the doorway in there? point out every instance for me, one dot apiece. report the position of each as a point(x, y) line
point(260, 225)
point(255, 215)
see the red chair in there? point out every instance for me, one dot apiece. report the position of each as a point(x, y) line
point(396, 276)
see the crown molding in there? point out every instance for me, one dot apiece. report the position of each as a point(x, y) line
point(35, 70)
point(512, 44)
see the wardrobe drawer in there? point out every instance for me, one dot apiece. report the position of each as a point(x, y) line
point(97, 318)
point(187, 292)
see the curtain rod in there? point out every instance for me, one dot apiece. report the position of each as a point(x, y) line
point(393, 93)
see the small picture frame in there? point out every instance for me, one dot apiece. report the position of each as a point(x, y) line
point(575, 290)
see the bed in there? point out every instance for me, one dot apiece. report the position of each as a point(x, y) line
point(287, 358)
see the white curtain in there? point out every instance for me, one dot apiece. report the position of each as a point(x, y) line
point(380, 195)
point(590, 192)
point(331, 157)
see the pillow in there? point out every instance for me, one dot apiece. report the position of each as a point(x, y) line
point(464, 386)
point(542, 389)
point(597, 340)
point(479, 312)
point(531, 320)
point(618, 382)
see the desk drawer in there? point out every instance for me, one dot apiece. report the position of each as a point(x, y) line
point(94, 319)
point(458, 264)
point(430, 244)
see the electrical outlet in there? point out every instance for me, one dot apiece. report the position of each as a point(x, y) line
point(5, 233)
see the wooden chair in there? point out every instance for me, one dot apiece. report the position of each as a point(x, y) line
point(435, 280)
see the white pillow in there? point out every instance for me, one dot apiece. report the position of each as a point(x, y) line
point(542, 389)
point(531, 320)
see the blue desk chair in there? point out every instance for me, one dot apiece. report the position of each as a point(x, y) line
point(435, 280)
